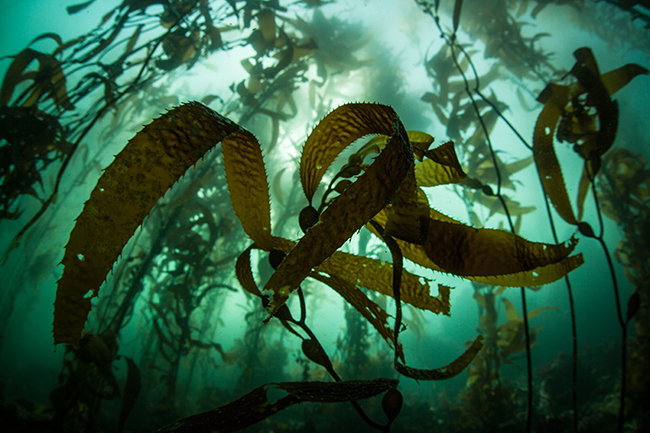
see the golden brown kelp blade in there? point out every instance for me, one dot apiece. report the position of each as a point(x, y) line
point(446, 372)
point(486, 255)
point(336, 132)
point(440, 167)
point(377, 276)
point(138, 177)
point(370, 193)
point(256, 406)
point(465, 251)
point(577, 126)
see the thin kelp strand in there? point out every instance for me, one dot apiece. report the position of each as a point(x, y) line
point(398, 265)
point(617, 300)
point(452, 44)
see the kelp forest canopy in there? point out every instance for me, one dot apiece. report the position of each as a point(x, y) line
point(412, 215)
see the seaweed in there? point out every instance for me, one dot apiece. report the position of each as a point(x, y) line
point(165, 149)
point(167, 277)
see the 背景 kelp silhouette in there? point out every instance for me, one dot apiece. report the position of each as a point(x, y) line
point(42, 103)
point(52, 98)
point(388, 192)
point(87, 378)
point(589, 119)
point(623, 188)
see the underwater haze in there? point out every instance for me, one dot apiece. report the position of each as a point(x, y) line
point(325, 216)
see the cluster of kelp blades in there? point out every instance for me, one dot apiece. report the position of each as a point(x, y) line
point(387, 196)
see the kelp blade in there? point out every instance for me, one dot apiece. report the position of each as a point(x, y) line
point(377, 276)
point(555, 98)
point(255, 406)
point(446, 372)
point(370, 193)
point(337, 131)
point(441, 167)
point(488, 256)
point(129, 188)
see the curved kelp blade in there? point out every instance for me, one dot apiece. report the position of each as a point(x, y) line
point(489, 256)
point(49, 79)
point(588, 75)
point(441, 167)
point(131, 391)
point(616, 79)
point(377, 276)
point(554, 98)
point(244, 273)
point(248, 186)
point(256, 406)
point(128, 189)
point(446, 372)
point(465, 251)
point(337, 131)
point(360, 201)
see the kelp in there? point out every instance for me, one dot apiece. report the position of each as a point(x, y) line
point(567, 116)
point(256, 405)
point(252, 210)
point(590, 127)
point(623, 184)
point(91, 248)
point(88, 376)
point(33, 139)
point(192, 32)
point(408, 216)
point(584, 114)
point(161, 153)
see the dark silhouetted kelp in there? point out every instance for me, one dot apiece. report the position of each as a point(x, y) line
point(173, 270)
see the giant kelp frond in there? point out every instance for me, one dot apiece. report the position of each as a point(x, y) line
point(257, 406)
point(358, 203)
point(584, 114)
point(125, 194)
point(387, 190)
point(162, 152)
